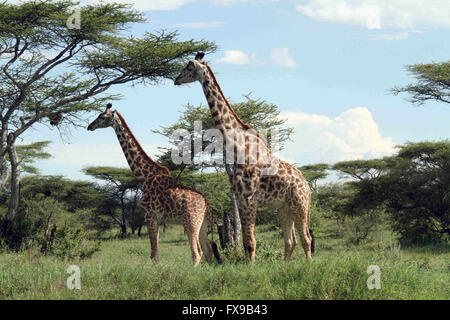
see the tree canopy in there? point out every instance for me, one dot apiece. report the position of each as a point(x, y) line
point(55, 75)
point(433, 83)
point(413, 185)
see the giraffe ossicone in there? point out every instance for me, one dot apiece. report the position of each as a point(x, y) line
point(163, 196)
point(285, 190)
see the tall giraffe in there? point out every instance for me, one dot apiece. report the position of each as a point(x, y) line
point(163, 196)
point(256, 180)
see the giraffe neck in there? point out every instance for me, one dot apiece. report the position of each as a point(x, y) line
point(223, 115)
point(139, 161)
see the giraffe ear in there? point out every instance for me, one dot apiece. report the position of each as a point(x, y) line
point(199, 56)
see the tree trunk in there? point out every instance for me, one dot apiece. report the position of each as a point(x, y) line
point(139, 230)
point(235, 220)
point(220, 232)
point(232, 225)
point(227, 231)
point(4, 170)
point(123, 229)
point(123, 225)
point(15, 179)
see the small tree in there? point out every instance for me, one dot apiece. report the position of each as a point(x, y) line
point(413, 186)
point(417, 192)
point(433, 83)
point(123, 189)
point(315, 172)
point(47, 202)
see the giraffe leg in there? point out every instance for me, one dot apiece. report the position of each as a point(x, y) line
point(246, 183)
point(248, 239)
point(152, 227)
point(287, 225)
point(248, 219)
point(194, 242)
point(300, 218)
point(204, 242)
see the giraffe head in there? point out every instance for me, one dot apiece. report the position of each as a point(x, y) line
point(104, 120)
point(194, 70)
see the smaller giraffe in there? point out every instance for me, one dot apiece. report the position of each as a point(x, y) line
point(163, 196)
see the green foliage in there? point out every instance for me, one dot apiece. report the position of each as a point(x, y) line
point(123, 270)
point(266, 215)
point(30, 153)
point(315, 172)
point(259, 114)
point(356, 219)
point(214, 186)
point(93, 58)
point(419, 199)
point(71, 243)
point(28, 229)
point(412, 186)
point(433, 83)
point(74, 194)
point(121, 195)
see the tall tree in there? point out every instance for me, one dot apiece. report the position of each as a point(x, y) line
point(258, 113)
point(51, 73)
point(433, 83)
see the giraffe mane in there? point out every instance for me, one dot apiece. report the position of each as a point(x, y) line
point(124, 123)
point(246, 126)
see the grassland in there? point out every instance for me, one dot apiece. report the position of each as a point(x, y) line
point(123, 270)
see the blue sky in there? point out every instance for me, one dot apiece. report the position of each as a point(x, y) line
point(327, 64)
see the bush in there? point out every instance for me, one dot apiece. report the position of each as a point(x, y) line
point(28, 228)
point(71, 243)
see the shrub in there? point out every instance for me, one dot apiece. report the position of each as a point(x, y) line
point(71, 243)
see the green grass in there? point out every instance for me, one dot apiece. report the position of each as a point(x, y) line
point(123, 270)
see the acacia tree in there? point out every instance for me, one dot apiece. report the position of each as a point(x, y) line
point(50, 73)
point(433, 83)
point(315, 172)
point(258, 113)
point(124, 189)
point(413, 186)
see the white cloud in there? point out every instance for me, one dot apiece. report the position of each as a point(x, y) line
point(236, 57)
point(352, 135)
point(377, 14)
point(199, 25)
point(278, 57)
point(282, 57)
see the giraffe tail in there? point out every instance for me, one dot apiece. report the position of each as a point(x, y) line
point(213, 244)
point(311, 233)
point(313, 241)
